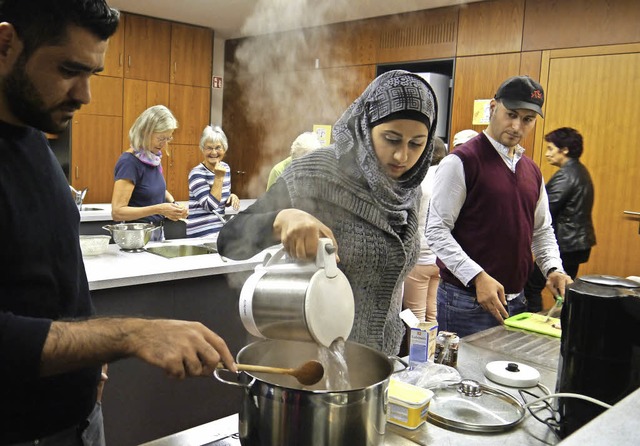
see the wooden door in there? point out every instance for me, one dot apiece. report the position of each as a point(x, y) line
point(191, 55)
point(192, 108)
point(96, 147)
point(138, 96)
point(147, 48)
point(598, 94)
point(106, 97)
point(180, 160)
point(114, 58)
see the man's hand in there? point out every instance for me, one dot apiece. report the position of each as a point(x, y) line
point(557, 283)
point(490, 296)
point(300, 232)
point(181, 348)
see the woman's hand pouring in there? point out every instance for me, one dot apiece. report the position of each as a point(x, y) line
point(299, 233)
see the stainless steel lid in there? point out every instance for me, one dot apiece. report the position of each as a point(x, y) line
point(602, 279)
point(471, 406)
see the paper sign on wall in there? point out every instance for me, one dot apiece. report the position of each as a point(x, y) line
point(481, 111)
point(324, 134)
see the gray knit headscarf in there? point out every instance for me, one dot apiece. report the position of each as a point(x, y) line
point(394, 92)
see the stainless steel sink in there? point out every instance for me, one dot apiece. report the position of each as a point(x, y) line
point(89, 208)
point(171, 251)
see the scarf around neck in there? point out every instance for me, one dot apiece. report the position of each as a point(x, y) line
point(148, 157)
point(392, 92)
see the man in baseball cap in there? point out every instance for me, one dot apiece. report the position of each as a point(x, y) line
point(521, 92)
point(488, 213)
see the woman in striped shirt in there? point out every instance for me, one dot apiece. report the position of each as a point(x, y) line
point(210, 186)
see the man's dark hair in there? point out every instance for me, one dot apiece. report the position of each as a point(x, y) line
point(566, 137)
point(45, 22)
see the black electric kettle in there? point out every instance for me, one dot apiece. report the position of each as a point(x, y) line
point(600, 346)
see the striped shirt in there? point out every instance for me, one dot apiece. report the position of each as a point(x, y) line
point(202, 220)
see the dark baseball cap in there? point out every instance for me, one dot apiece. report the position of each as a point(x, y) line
point(521, 92)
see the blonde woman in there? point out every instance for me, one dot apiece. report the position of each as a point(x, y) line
point(140, 190)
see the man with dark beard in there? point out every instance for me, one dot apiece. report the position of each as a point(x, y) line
point(51, 348)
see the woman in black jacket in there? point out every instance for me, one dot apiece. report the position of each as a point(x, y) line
point(570, 192)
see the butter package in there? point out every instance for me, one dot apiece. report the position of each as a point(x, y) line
point(408, 404)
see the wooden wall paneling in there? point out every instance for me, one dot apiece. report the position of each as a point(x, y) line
point(478, 78)
point(191, 107)
point(191, 55)
point(181, 159)
point(351, 43)
point(96, 148)
point(106, 97)
point(114, 57)
point(530, 65)
point(490, 27)
point(147, 48)
point(244, 123)
point(551, 24)
point(419, 35)
point(609, 153)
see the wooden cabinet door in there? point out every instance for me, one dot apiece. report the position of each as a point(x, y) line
point(114, 58)
point(181, 158)
point(192, 108)
point(191, 55)
point(106, 97)
point(147, 48)
point(138, 96)
point(95, 142)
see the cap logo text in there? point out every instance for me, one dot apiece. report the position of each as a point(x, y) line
point(536, 94)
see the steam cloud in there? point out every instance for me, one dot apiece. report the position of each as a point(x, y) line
point(283, 75)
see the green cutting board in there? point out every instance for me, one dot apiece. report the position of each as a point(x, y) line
point(535, 322)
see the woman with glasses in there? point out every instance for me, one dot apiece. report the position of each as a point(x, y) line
point(140, 191)
point(210, 186)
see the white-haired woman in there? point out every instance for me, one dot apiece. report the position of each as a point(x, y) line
point(210, 186)
point(140, 190)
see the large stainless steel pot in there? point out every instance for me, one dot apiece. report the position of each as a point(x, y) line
point(277, 410)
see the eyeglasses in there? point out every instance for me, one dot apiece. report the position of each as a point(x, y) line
point(163, 139)
point(211, 149)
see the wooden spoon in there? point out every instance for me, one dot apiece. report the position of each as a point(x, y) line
point(307, 374)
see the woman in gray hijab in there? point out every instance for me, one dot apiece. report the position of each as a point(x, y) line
point(362, 192)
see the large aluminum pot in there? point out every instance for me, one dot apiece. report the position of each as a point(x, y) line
point(131, 236)
point(277, 410)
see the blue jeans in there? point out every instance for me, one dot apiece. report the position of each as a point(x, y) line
point(459, 312)
point(91, 435)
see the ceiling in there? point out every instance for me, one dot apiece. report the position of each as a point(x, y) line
point(241, 18)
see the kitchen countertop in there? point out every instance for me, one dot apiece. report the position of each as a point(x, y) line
point(102, 211)
point(499, 343)
point(117, 268)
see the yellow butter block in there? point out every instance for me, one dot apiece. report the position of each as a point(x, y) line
point(408, 404)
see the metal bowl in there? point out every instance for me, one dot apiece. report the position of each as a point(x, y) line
point(131, 236)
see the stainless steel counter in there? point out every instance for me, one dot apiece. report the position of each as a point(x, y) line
point(538, 351)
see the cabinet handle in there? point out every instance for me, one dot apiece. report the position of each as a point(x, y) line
point(129, 61)
point(120, 60)
point(175, 67)
point(240, 172)
point(77, 172)
point(632, 213)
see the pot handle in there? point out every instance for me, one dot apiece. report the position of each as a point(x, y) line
point(401, 361)
point(216, 373)
point(107, 228)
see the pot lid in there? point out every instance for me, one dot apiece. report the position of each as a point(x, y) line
point(471, 406)
point(606, 280)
